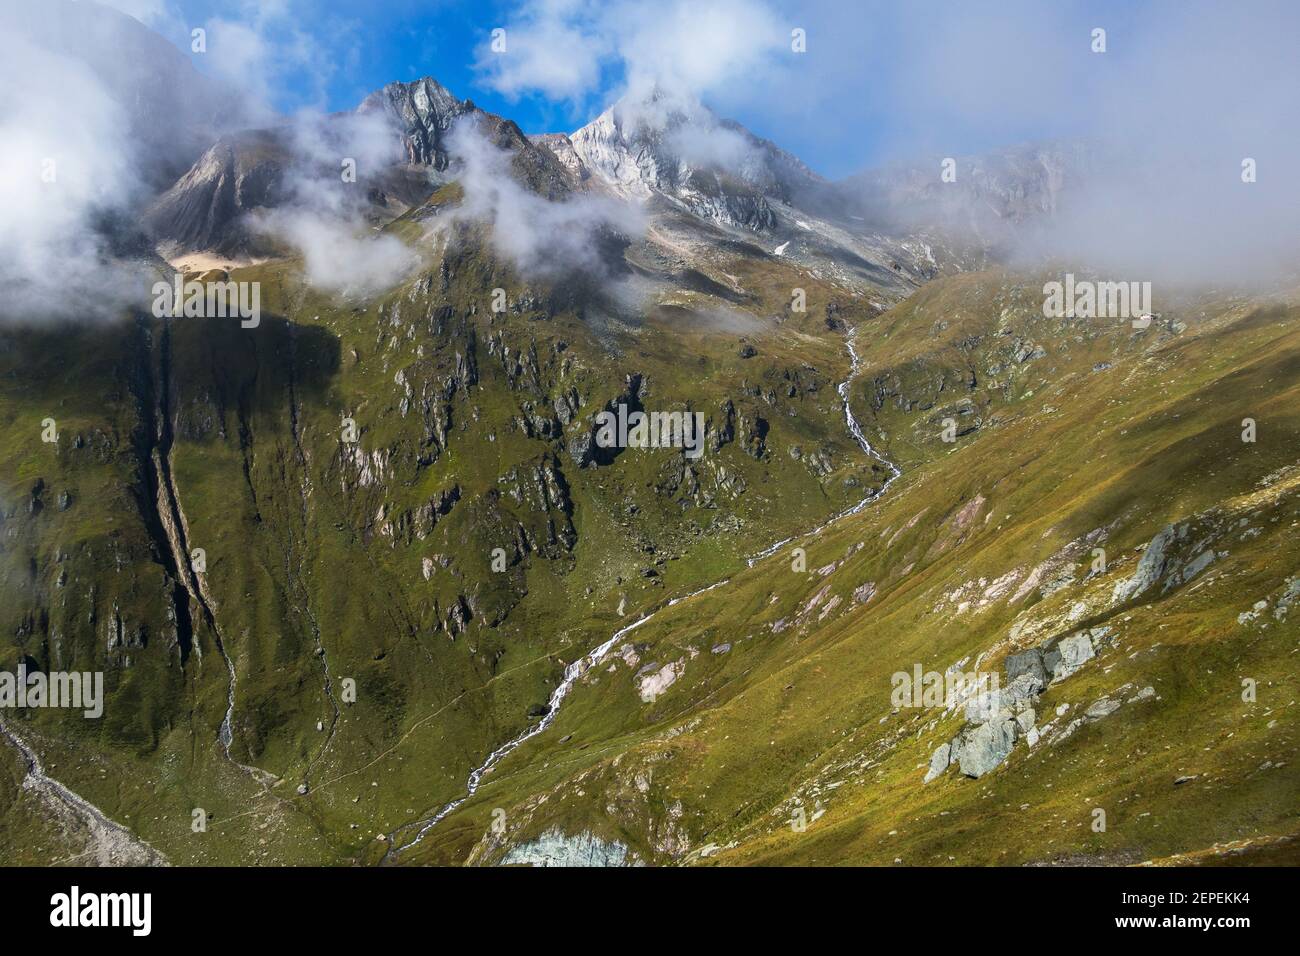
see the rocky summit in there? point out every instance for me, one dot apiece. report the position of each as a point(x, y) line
point(884, 562)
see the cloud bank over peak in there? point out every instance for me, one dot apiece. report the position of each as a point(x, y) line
point(323, 215)
point(541, 237)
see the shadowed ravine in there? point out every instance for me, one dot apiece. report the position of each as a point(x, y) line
point(592, 659)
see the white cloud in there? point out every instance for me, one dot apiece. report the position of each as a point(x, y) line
point(261, 45)
point(149, 12)
point(562, 48)
point(337, 255)
point(710, 144)
point(323, 217)
point(691, 49)
point(550, 47)
point(66, 164)
point(540, 237)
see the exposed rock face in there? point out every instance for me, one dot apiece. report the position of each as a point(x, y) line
point(1193, 568)
point(202, 210)
point(1068, 655)
point(540, 486)
point(653, 680)
point(716, 169)
point(555, 848)
point(581, 442)
point(1289, 597)
point(1101, 708)
point(423, 112)
point(939, 762)
point(1149, 569)
point(562, 147)
point(458, 617)
point(996, 719)
point(1056, 660)
point(725, 431)
point(1014, 698)
point(1027, 662)
point(753, 435)
point(982, 749)
point(418, 523)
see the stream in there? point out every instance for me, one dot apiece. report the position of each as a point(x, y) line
point(594, 657)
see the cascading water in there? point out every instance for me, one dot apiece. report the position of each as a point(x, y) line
point(594, 657)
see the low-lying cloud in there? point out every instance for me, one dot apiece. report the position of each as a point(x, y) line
point(323, 217)
point(337, 255)
point(66, 168)
point(1183, 93)
point(540, 237)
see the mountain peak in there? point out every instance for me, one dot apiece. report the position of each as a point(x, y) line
point(678, 147)
point(423, 110)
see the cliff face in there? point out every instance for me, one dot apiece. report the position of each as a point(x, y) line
point(422, 113)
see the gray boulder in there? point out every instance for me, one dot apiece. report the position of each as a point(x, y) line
point(1149, 569)
point(1025, 720)
point(987, 746)
point(939, 762)
point(1068, 655)
point(1101, 708)
point(1027, 662)
point(1009, 700)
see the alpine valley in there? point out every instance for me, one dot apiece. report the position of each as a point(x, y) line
point(366, 587)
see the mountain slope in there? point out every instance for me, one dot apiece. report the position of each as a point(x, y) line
point(474, 431)
point(335, 566)
point(774, 691)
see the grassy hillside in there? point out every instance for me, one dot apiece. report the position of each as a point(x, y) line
point(1086, 435)
point(348, 470)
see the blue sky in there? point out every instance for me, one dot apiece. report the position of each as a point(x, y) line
point(879, 80)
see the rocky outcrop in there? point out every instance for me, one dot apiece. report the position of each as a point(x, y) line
point(416, 524)
point(206, 207)
point(723, 432)
point(996, 718)
point(423, 112)
point(983, 747)
point(562, 148)
point(752, 431)
point(939, 762)
point(717, 170)
point(1149, 569)
point(653, 679)
point(541, 488)
point(581, 440)
point(1068, 655)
